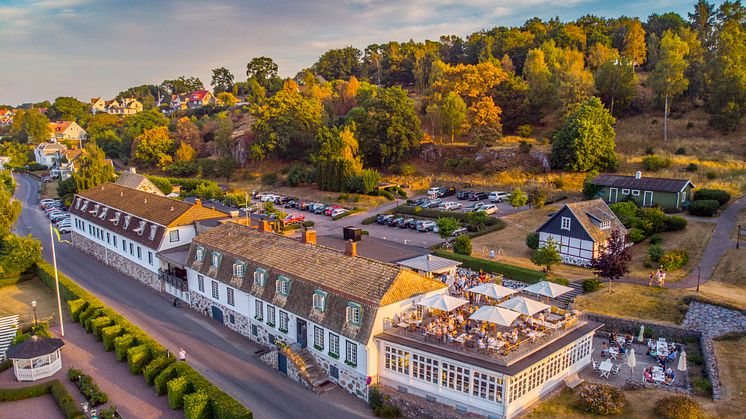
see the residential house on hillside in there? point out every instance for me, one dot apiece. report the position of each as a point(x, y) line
point(200, 98)
point(126, 227)
point(49, 152)
point(645, 191)
point(179, 102)
point(64, 166)
point(97, 105)
point(133, 180)
point(580, 230)
point(67, 130)
point(6, 117)
point(125, 106)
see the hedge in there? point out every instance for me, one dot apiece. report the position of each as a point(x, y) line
point(704, 207)
point(98, 324)
point(510, 271)
point(177, 389)
point(137, 358)
point(716, 194)
point(76, 307)
point(160, 382)
point(108, 334)
point(197, 406)
point(122, 344)
point(155, 367)
point(87, 313)
point(64, 400)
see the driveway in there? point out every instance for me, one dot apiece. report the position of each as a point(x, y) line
point(223, 356)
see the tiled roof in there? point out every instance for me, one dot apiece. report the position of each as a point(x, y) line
point(585, 211)
point(60, 126)
point(198, 95)
point(137, 181)
point(642, 183)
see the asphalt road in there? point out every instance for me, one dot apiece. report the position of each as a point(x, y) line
point(223, 356)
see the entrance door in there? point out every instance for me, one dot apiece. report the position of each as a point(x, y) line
point(613, 194)
point(302, 332)
point(282, 363)
point(217, 314)
point(647, 199)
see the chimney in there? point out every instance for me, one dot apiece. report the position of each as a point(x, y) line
point(265, 227)
point(638, 174)
point(429, 258)
point(197, 202)
point(351, 248)
point(133, 170)
point(309, 236)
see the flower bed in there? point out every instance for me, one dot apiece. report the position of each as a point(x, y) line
point(85, 385)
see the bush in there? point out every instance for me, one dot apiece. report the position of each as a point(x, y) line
point(695, 358)
point(674, 259)
point(177, 389)
point(591, 284)
point(87, 313)
point(561, 281)
point(532, 240)
point(717, 194)
point(137, 358)
point(649, 151)
point(524, 131)
point(655, 253)
point(14, 394)
point(679, 407)
point(510, 271)
point(160, 382)
point(702, 386)
point(656, 240)
point(182, 168)
point(98, 324)
point(164, 184)
point(711, 175)
point(406, 169)
point(601, 399)
point(197, 406)
point(462, 245)
point(65, 401)
point(524, 147)
point(364, 182)
point(692, 167)
point(299, 175)
point(76, 307)
point(704, 208)
point(636, 235)
point(369, 220)
point(655, 163)
point(155, 367)
point(269, 178)
point(674, 223)
point(87, 387)
point(122, 344)
point(108, 334)
point(681, 151)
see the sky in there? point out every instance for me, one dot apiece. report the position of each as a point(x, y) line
point(97, 48)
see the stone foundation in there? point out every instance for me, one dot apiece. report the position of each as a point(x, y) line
point(414, 406)
point(349, 379)
point(271, 359)
point(117, 261)
point(204, 305)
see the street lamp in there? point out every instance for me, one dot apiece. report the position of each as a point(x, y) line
point(33, 304)
point(699, 274)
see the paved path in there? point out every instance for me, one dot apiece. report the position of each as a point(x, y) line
point(38, 407)
point(223, 356)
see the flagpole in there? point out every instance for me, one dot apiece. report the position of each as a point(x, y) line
point(56, 280)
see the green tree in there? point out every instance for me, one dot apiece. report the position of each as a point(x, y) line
point(586, 140)
point(224, 141)
point(222, 80)
point(9, 211)
point(183, 84)
point(93, 169)
point(339, 64)
point(517, 198)
point(150, 147)
point(541, 92)
point(31, 126)
point(67, 109)
point(446, 227)
point(109, 142)
point(17, 152)
point(462, 245)
point(336, 158)
point(226, 166)
point(264, 71)
point(476, 220)
point(667, 79)
point(453, 114)
point(547, 255)
point(616, 83)
point(18, 254)
point(101, 122)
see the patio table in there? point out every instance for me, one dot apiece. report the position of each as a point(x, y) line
point(403, 324)
point(613, 353)
point(661, 349)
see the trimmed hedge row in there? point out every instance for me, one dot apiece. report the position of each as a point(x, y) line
point(139, 349)
point(435, 214)
point(510, 271)
point(64, 400)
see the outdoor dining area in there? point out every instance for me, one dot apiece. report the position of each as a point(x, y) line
point(487, 318)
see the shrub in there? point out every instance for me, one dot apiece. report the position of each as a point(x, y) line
point(679, 407)
point(655, 163)
point(108, 413)
point(717, 194)
point(704, 208)
point(695, 358)
point(711, 175)
point(681, 151)
point(406, 169)
point(510, 271)
point(299, 175)
point(98, 324)
point(168, 374)
point(636, 235)
point(369, 220)
point(524, 147)
point(692, 167)
point(343, 197)
point(88, 312)
point(539, 198)
point(13, 394)
point(182, 168)
point(122, 345)
point(197, 406)
point(656, 240)
point(649, 151)
point(76, 307)
point(532, 240)
point(674, 259)
point(558, 183)
point(524, 131)
point(674, 223)
point(177, 389)
point(561, 281)
point(137, 358)
point(364, 182)
point(164, 184)
point(65, 401)
point(591, 284)
point(602, 399)
point(155, 367)
point(702, 386)
point(108, 334)
point(269, 178)
point(462, 245)
point(655, 252)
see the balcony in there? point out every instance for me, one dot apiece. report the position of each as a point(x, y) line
point(179, 282)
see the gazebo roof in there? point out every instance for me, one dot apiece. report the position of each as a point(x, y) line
point(34, 347)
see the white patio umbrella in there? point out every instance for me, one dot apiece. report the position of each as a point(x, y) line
point(641, 337)
point(496, 315)
point(443, 302)
point(524, 305)
point(492, 290)
point(547, 289)
point(631, 361)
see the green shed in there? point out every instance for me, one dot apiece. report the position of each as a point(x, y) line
point(645, 191)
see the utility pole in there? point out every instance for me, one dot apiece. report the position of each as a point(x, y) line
point(56, 280)
point(699, 274)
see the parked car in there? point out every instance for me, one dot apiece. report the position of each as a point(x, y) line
point(64, 230)
point(417, 202)
point(56, 213)
point(450, 206)
point(474, 207)
point(339, 211)
point(433, 203)
point(459, 231)
point(445, 191)
point(498, 196)
point(269, 198)
point(318, 208)
point(489, 209)
point(433, 191)
point(383, 218)
point(393, 222)
point(59, 217)
point(478, 196)
point(294, 218)
point(406, 223)
point(48, 201)
point(426, 226)
point(463, 195)
point(328, 211)
point(413, 224)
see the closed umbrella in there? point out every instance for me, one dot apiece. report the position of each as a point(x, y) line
point(495, 315)
point(640, 338)
point(443, 302)
point(682, 365)
point(631, 361)
point(524, 305)
point(492, 290)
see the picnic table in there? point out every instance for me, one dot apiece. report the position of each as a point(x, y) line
point(605, 368)
point(661, 349)
point(659, 375)
point(553, 317)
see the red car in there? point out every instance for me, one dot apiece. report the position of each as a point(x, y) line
point(329, 210)
point(294, 218)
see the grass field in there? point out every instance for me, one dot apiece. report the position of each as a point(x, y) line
point(731, 358)
point(16, 299)
point(636, 301)
point(49, 189)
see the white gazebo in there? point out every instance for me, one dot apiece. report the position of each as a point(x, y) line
point(35, 358)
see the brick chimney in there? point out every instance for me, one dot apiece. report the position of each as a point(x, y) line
point(265, 227)
point(309, 236)
point(133, 170)
point(197, 202)
point(351, 248)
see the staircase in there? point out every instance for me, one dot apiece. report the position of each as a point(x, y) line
point(8, 328)
point(569, 297)
point(310, 370)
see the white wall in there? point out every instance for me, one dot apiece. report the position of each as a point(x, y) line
point(186, 234)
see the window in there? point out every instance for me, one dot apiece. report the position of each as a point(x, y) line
point(625, 191)
point(396, 360)
point(173, 235)
point(424, 368)
point(139, 252)
point(259, 310)
point(635, 192)
point(215, 260)
point(318, 338)
point(127, 219)
point(354, 313)
point(153, 229)
point(238, 269)
point(319, 300)
point(215, 293)
point(455, 377)
point(115, 241)
point(605, 225)
point(132, 249)
point(683, 197)
point(231, 297)
point(487, 386)
point(282, 286)
point(284, 320)
point(108, 238)
point(565, 223)
point(260, 277)
point(351, 354)
point(334, 344)
point(232, 318)
point(201, 283)
point(271, 316)
point(141, 227)
point(124, 245)
point(150, 257)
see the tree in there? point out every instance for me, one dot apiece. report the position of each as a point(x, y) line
point(586, 139)
point(339, 64)
point(222, 80)
point(93, 169)
point(185, 152)
point(667, 79)
point(613, 262)
point(224, 141)
point(9, 211)
point(634, 50)
point(263, 70)
point(547, 255)
point(599, 54)
point(109, 142)
point(446, 227)
point(517, 198)
point(226, 166)
point(477, 220)
point(226, 99)
point(616, 83)
point(462, 245)
point(67, 109)
point(31, 126)
point(187, 132)
point(485, 127)
point(18, 254)
point(336, 158)
point(453, 113)
point(182, 85)
point(150, 147)
point(101, 122)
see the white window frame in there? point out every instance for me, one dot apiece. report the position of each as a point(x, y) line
point(259, 310)
point(319, 300)
point(625, 191)
point(318, 338)
point(173, 236)
point(215, 260)
point(239, 269)
point(282, 286)
point(635, 192)
point(201, 283)
point(566, 223)
point(260, 277)
point(271, 316)
point(333, 344)
point(215, 290)
point(284, 321)
point(231, 296)
point(354, 313)
point(351, 353)
point(199, 255)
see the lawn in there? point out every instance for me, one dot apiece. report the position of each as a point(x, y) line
point(732, 358)
point(732, 267)
point(641, 302)
point(16, 299)
point(49, 189)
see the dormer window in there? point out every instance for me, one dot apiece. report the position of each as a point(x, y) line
point(319, 300)
point(116, 218)
point(141, 227)
point(282, 286)
point(153, 230)
point(354, 313)
point(77, 202)
point(605, 225)
point(199, 255)
point(103, 213)
point(566, 223)
point(127, 219)
point(215, 260)
point(239, 269)
point(85, 205)
point(260, 277)
point(95, 209)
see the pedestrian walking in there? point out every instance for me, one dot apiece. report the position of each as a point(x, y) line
point(182, 354)
point(492, 254)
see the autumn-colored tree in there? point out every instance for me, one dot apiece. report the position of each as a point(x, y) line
point(541, 92)
point(226, 99)
point(468, 81)
point(453, 111)
point(574, 83)
point(599, 54)
point(668, 79)
point(635, 49)
point(187, 132)
point(616, 83)
point(150, 147)
point(185, 152)
point(485, 127)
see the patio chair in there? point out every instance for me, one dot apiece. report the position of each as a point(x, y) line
point(615, 370)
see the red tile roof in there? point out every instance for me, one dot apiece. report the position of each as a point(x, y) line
point(198, 95)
